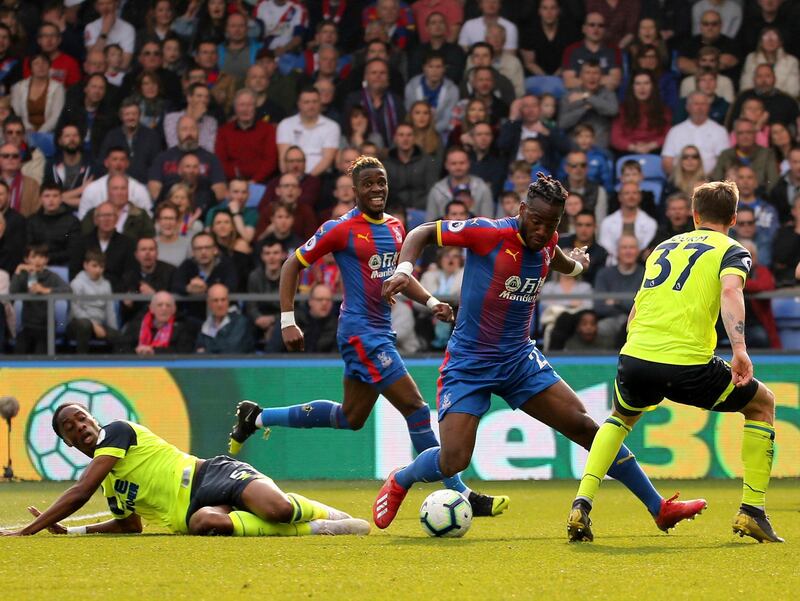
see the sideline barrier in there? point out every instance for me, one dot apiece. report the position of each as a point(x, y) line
point(190, 402)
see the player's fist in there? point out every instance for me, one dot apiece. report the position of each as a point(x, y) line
point(443, 312)
point(741, 368)
point(293, 338)
point(579, 255)
point(394, 285)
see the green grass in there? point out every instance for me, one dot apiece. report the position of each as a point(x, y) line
point(521, 555)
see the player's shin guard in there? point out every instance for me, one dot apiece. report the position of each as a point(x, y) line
point(248, 524)
point(605, 448)
point(305, 510)
point(425, 468)
point(757, 452)
point(627, 470)
point(423, 438)
point(316, 414)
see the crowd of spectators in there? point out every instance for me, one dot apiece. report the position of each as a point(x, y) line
point(180, 148)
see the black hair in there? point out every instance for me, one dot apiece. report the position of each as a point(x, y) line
point(548, 188)
point(361, 163)
point(50, 186)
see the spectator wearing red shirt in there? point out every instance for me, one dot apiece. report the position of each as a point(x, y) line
point(451, 10)
point(246, 146)
point(760, 327)
point(643, 120)
point(310, 185)
point(63, 68)
point(288, 195)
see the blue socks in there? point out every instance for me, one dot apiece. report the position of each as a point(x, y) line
point(316, 414)
point(425, 468)
point(627, 470)
point(422, 437)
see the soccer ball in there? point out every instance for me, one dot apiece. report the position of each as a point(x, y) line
point(50, 455)
point(446, 514)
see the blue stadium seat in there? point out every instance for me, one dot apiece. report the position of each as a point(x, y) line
point(790, 338)
point(786, 310)
point(256, 192)
point(654, 186)
point(651, 165)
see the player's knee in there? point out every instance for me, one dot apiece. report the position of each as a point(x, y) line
point(281, 511)
point(356, 422)
point(762, 406)
point(206, 521)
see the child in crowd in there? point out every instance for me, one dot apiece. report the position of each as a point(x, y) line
point(533, 153)
point(600, 168)
point(115, 73)
point(89, 318)
point(33, 277)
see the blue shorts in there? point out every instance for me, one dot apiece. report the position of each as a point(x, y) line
point(372, 358)
point(466, 386)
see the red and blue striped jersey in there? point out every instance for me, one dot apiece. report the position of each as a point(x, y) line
point(366, 252)
point(502, 279)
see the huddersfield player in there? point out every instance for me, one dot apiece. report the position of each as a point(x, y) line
point(143, 476)
point(364, 242)
point(490, 350)
point(689, 279)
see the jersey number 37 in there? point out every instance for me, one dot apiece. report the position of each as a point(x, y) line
point(696, 248)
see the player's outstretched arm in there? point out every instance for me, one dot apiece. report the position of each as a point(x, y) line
point(418, 293)
point(732, 310)
point(128, 525)
point(73, 499)
point(572, 263)
point(290, 273)
point(415, 242)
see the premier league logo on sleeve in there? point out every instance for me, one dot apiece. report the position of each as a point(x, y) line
point(312, 242)
point(456, 226)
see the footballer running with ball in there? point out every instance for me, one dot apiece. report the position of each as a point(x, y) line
point(145, 477)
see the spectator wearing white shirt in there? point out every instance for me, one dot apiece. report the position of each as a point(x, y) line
point(474, 30)
point(116, 162)
point(110, 29)
point(629, 219)
point(285, 23)
point(698, 130)
point(315, 134)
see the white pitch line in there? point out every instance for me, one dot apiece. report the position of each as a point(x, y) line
point(74, 518)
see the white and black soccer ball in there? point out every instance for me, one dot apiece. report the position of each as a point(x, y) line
point(445, 514)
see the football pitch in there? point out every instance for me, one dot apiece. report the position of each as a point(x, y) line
point(520, 555)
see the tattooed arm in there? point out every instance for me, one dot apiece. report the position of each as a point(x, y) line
point(732, 310)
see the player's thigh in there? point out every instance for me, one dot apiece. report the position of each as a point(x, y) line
point(640, 385)
point(262, 497)
point(560, 408)
point(404, 395)
point(711, 387)
point(457, 432)
point(359, 399)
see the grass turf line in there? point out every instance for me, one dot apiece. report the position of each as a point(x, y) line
point(521, 555)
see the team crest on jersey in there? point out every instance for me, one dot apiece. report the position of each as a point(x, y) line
point(398, 235)
point(456, 226)
point(385, 360)
point(312, 242)
point(446, 402)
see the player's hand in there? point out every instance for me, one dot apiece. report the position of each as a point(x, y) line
point(741, 368)
point(394, 285)
point(293, 338)
point(579, 255)
point(56, 528)
point(443, 312)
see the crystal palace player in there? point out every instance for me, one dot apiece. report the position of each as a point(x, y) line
point(490, 350)
point(364, 242)
point(670, 352)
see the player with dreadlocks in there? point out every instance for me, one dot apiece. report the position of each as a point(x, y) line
point(490, 350)
point(365, 242)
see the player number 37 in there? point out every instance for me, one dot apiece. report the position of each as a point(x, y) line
point(662, 261)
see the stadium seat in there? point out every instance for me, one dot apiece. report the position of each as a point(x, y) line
point(786, 309)
point(654, 186)
point(651, 165)
point(255, 194)
point(790, 338)
point(545, 84)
